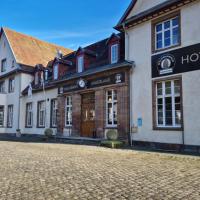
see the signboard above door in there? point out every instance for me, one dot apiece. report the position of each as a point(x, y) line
point(177, 61)
point(82, 84)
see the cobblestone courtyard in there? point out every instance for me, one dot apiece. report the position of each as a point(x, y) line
point(59, 171)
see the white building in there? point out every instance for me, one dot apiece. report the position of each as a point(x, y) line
point(162, 37)
point(19, 54)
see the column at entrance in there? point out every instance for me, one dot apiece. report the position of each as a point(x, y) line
point(123, 111)
point(76, 115)
point(100, 111)
point(61, 115)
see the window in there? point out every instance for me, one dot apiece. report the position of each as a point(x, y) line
point(68, 111)
point(114, 53)
point(168, 104)
point(1, 116)
point(13, 63)
point(80, 64)
point(55, 72)
point(111, 108)
point(2, 87)
point(3, 65)
point(41, 114)
point(10, 116)
point(29, 115)
point(11, 85)
point(167, 33)
point(36, 78)
point(54, 112)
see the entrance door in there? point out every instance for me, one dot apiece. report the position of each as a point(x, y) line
point(88, 115)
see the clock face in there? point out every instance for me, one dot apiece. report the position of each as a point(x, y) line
point(81, 83)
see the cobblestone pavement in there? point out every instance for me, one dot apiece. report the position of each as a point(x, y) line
point(59, 171)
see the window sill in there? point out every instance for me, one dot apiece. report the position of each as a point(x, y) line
point(164, 49)
point(168, 128)
point(28, 126)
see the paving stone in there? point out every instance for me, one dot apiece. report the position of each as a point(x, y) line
point(62, 171)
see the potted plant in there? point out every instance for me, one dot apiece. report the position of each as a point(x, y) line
point(112, 140)
point(18, 133)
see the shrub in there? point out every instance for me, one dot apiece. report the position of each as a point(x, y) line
point(112, 135)
point(112, 144)
point(48, 133)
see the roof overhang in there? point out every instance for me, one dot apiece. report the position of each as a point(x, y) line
point(151, 13)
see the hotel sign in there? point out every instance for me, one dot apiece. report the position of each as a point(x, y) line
point(81, 83)
point(177, 61)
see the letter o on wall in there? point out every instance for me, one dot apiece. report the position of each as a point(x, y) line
point(194, 57)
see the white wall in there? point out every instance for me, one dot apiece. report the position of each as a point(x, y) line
point(39, 96)
point(6, 52)
point(142, 5)
point(140, 52)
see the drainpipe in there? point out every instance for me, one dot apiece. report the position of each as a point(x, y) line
point(18, 126)
point(130, 80)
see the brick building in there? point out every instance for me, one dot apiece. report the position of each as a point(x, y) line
point(92, 86)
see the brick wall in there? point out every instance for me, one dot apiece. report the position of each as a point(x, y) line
point(61, 115)
point(76, 114)
point(99, 112)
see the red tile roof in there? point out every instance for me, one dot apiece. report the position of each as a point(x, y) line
point(32, 51)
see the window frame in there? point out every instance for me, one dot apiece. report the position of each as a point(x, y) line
point(11, 85)
point(162, 20)
point(117, 53)
point(3, 68)
point(27, 115)
point(56, 67)
point(154, 103)
point(54, 111)
point(68, 106)
point(3, 91)
point(3, 110)
point(113, 101)
point(38, 114)
point(80, 70)
point(10, 118)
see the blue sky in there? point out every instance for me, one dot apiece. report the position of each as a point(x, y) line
point(69, 23)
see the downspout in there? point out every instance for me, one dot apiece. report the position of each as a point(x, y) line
point(130, 80)
point(19, 103)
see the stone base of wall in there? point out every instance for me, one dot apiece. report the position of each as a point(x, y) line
point(168, 147)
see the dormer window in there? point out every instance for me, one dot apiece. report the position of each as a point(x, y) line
point(114, 53)
point(80, 63)
point(55, 72)
point(46, 75)
point(36, 78)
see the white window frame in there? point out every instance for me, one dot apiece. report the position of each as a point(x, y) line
point(163, 33)
point(10, 116)
point(54, 113)
point(2, 87)
point(11, 85)
point(55, 72)
point(80, 63)
point(41, 113)
point(163, 96)
point(2, 119)
point(114, 53)
point(68, 111)
point(112, 101)
point(29, 114)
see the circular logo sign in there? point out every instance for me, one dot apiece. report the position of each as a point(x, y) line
point(166, 64)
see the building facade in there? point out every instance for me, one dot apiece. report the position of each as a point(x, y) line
point(19, 54)
point(86, 92)
point(162, 38)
